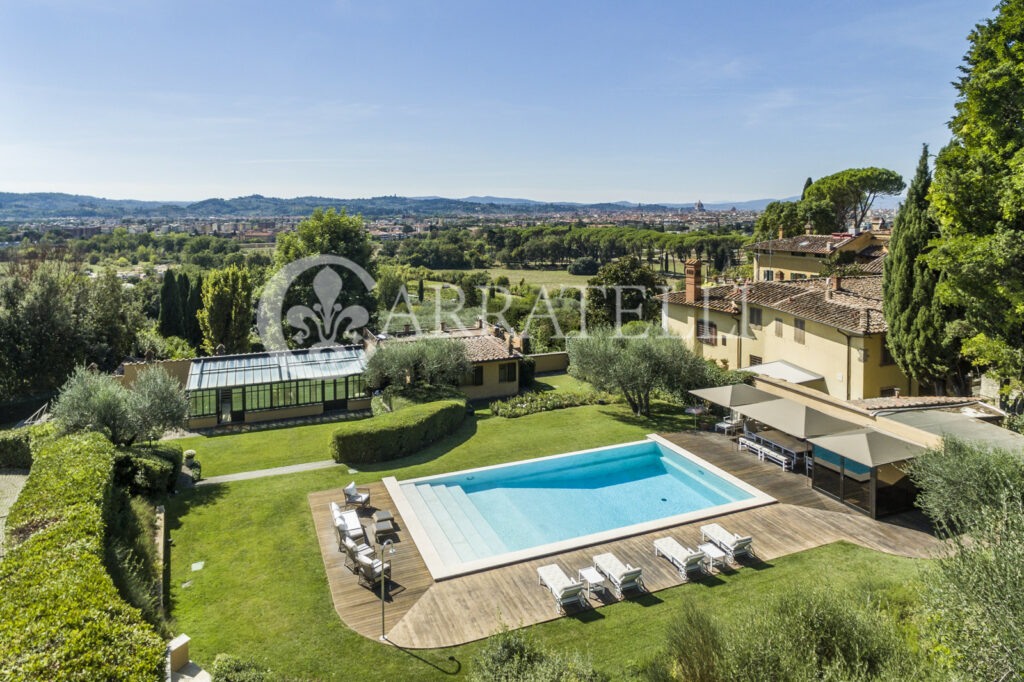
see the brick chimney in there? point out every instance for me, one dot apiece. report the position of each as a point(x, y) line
point(693, 279)
point(836, 283)
point(781, 234)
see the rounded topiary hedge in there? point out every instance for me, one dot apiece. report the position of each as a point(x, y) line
point(15, 451)
point(396, 434)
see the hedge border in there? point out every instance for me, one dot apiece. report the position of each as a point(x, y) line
point(396, 434)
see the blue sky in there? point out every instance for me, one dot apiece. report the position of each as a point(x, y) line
point(580, 101)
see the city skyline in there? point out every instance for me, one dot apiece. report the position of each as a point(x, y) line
point(582, 103)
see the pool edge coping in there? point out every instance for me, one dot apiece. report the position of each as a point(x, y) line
point(439, 570)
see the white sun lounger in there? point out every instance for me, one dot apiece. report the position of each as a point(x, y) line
point(732, 544)
point(564, 590)
point(622, 576)
point(683, 558)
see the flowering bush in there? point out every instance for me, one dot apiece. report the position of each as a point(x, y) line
point(532, 403)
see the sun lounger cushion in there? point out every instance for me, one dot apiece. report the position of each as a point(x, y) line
point(554, 577)
point(350, 489)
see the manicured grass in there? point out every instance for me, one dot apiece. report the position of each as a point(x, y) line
point(550, 278)
point(263, 592)
point(230, 454)
point(234, 453)
point(561, 382)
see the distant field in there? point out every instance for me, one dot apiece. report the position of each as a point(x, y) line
point(549, 278)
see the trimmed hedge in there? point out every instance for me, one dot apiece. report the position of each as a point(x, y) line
point(396, 434)
point(61, 618)
point(227, 668)
point(15, 451)
point(148, 470)
point(532, 403)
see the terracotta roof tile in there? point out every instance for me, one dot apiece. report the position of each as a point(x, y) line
point(856, 306)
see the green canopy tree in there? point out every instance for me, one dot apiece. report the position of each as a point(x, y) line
point(917, 337)
point(779, 217)
point(978, 198)
point(626, 283)
point(851, 192)
point(226, 317)
point(329, 233)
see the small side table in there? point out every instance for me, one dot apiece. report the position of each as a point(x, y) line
point(714, 554)
point(382, 515)
point(591, 578)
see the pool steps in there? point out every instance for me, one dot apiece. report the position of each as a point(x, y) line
point(464, 534)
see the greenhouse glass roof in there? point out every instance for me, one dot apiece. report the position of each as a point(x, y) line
point(230, 371)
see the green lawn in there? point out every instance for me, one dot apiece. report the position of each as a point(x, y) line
point(263, 592)
point(230, 454)
point(550, 278)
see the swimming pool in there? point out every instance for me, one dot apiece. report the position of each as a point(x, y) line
point(469, 520)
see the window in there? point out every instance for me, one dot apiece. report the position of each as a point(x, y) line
point(329, 391)
point(887, 358)
point(723, 337)
point(798, 330)
point(769, 275)
point(754, 314)
point(284, 394)
point(507, 372)
point(257, 397)
point(475, 376)
point(203, 403)
point(778, 327)
point(357, 387)
point(755, 360)
point(707, 332)
point(888, 392)
point(309, 392)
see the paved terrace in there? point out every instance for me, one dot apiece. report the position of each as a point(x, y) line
point(422, 613)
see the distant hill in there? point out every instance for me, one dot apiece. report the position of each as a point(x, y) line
point(41, 205)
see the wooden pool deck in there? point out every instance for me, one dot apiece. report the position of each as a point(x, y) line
point(422, 613)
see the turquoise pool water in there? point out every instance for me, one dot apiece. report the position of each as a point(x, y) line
point(477, 514)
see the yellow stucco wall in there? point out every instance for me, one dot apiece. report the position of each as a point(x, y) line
point(284, 413)
point(551, 362)
point(492, 388)
point(202, 422)
point(809, 265)
point(848, 374)
point(177, 369)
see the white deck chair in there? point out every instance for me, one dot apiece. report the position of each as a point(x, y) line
point(622, 576)
point(732, 544)
point(371, 571)
point(355, 496)
point(683, 558)
point(563, 589)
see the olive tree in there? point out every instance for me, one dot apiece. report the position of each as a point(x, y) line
point(637, 365)
point(435, 362)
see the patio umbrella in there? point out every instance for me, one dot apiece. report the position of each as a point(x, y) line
point(869, 447)
point(733, 396)
point(795, 418)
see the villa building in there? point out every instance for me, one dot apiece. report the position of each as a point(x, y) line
point(803, 256)
point(824, 333)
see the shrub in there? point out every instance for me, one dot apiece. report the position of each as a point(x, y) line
point(237, 669)
point(396, 434)
point(584, 266)
point(397, 397)
point(960, 479)
point(61, 617)
point(532, 403)
point(149, 470)
point(15, 452)
point(512, 656)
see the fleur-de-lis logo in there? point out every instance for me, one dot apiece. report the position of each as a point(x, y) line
point(328, 318)
point(327, 314)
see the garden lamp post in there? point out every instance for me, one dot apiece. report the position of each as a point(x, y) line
point(386, 548)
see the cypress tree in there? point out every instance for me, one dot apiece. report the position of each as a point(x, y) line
point(170, 305)
point(807, 183)
point(193, 332)
point(917, 335)
point(419, 292)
